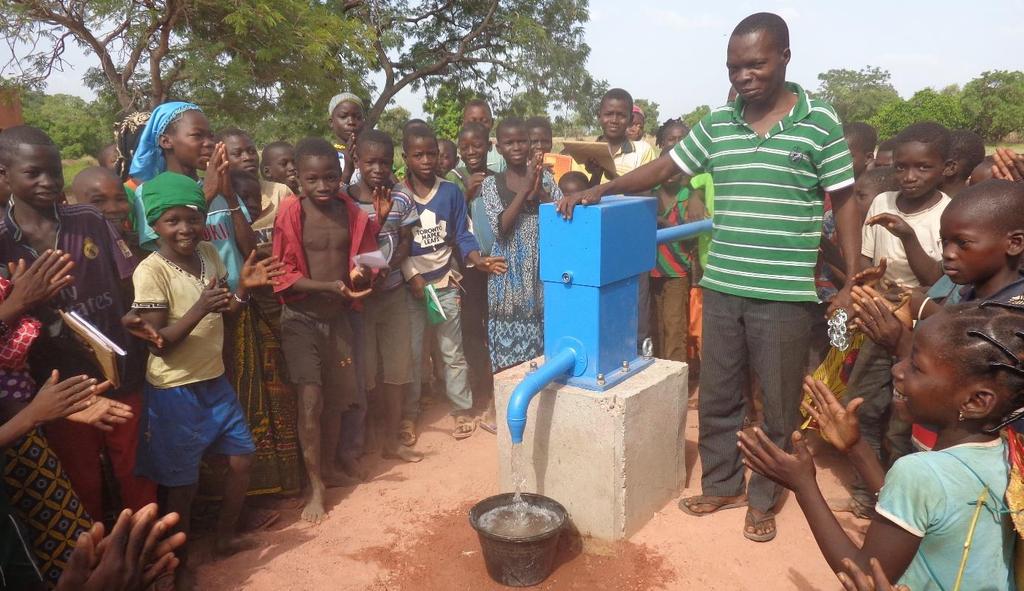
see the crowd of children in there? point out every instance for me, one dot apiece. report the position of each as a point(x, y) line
point(289, 311)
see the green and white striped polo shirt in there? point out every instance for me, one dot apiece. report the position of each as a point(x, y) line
point(769, 195)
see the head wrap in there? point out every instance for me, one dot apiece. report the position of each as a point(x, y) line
point(148, 160)
point(170, 189)
point(342, 98)
point(637, 110)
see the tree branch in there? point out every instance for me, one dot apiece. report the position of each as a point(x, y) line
point(415, 20)
point(159, 91)
point(390, 90)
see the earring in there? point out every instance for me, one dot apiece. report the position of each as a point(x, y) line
point(961, 417)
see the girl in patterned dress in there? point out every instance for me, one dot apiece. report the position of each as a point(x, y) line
point(511, 198)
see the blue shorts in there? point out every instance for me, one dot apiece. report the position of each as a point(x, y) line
point(180, 424)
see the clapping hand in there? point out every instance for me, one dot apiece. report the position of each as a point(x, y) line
point(260, 273)
point(40, 281)
point(137, 552)
point(57, 399)
point(217, 181)
point(873, 316)
point(138, 327)
point(794, 471)
point(854, 579)
point(103, 413)
point(1008, 165)
point(215, 299)
point(870, 276)
point(837, 424)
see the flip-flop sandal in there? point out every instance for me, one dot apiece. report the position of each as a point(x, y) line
point(464, 427)
point(684, 506)
point(407, 433)
point(488, 425)
point(755, 522)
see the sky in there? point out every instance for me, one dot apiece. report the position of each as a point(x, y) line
point(673, 52)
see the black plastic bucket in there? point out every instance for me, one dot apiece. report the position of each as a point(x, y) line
point(518, 562)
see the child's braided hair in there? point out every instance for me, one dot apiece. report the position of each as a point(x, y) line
point(659, 136)
point(126, 139)
point(987, 340)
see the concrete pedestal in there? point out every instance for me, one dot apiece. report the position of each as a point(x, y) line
point(611, 458)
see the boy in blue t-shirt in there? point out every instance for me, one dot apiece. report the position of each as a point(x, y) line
point(443, 227)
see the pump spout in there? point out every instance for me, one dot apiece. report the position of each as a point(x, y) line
point(683, 231)
point(552, 368)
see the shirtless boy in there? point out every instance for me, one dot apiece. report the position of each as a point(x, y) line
point(316, 236)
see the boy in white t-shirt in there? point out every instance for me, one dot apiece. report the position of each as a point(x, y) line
point(902, 227)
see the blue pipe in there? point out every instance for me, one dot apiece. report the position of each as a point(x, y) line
point(683, 231)
point(552, 368)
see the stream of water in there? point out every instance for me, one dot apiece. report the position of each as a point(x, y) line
point(518, 519)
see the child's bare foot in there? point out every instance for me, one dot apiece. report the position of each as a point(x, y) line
point(403, 453)
point(314, 511)
point(225, 547)
point(354, 468)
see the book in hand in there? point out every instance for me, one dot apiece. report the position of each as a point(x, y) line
point(584, 152)
point(435, 312)
point(105, 352)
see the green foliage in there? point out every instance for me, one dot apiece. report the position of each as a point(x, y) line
point(994, 103)
point(273, 66)
point(391, 122)
point(693, 117)
point(72, 123)
point(530, 103)
point(485, 45)
point(444, 106)
point(650, 109)
point(857, 95)
point(925, 105)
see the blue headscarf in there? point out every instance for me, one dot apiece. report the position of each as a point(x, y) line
point(149, 158)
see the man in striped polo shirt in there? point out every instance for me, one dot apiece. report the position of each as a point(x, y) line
point(773, 152)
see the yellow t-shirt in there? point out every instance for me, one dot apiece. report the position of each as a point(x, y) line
point(272, 194)
point(161, 284)
point(632, 155)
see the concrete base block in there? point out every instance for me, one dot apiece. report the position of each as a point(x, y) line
point(611, 458)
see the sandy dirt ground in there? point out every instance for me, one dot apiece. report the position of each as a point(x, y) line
point(407, 530)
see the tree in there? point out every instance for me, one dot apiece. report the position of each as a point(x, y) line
point(483, 44)
point(925, 105)
point(70, 121)
point(126, 37)
point(994, 104)
point(391, 122)
point(693, 117)
point(445, 108)
point(242, 57)
point(530, 103)
point(650, 109)
point(857, 95)
point(267, 64)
